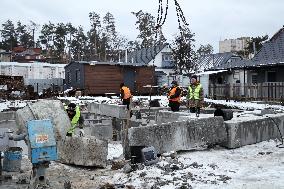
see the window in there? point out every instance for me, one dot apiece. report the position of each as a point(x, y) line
point(68, 77)
point(254, 78)
point(77, 75)
point(271, 76)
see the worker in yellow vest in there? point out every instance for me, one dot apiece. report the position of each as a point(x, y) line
point(125, 95)
point(75, 117)
point(174, 96)
point(195, 96)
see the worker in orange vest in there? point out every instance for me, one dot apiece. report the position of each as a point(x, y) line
point(174, 96)
point(125, 95)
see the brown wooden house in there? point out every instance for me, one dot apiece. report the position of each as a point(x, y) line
point(99, 78)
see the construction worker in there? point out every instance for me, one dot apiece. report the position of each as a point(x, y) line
point(195, 95)
point(174, 96)
point(74, 114)
point(125, 95)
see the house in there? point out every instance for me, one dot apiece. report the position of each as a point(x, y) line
point(5, 56)
point(98, 78)
point(40, 75)
point(21, 54)
point(208, 72)
point(264, 72)
point(161, 57)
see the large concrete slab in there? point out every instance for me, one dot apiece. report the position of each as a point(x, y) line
point(83, 151)
point(169, 116)
point(11, 124)
point(183, 135)
point(241, 133)
point(44, 109)
point(7, 116)
point(111, 110)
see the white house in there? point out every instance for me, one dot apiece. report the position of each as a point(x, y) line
point(161, 57)
point(40, 75)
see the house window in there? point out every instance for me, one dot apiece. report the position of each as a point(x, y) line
point(254, 78)
point(271, 76)
point(77, 75)
point(68, 77)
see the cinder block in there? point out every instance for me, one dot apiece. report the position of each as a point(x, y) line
point(241, 133)
point(169, 116)
point(102, 131)
point(83, 151)
point(4, 116)
point(183, 135)
point(111, 110)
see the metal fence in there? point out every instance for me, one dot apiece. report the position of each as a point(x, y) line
point(269, 91)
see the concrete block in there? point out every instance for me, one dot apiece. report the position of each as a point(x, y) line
point(83, 151)
point(94, 108)
point(267, 111)
point(11, 124)
point(111, 110)
point(169, 116)
point(241, 133)
point(183, 135)
point(44, 109)
point(7, 116)
point(102, 131)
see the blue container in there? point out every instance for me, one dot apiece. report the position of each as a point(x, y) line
point(12, 159)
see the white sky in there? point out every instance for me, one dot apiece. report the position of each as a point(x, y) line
point(210, 20)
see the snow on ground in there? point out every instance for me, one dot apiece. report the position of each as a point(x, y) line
point(251, 105)
point(251, 167)
point(115, 150)
point(164, 102)
point(5, 105)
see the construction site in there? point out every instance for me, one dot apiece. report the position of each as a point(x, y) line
point(154, 148)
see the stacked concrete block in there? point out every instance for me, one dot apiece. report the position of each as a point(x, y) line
point(117, 111)
point(7, 116)
point(168, 116)
point(176, 136)
point(241, 133)
point(83, 151)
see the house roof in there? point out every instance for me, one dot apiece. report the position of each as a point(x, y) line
point(145, 55)
point(272, 51)
point(106, 63)
point(271, 54)
point(216, 61)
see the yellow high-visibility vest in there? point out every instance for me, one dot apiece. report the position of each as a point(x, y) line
point(194, 95)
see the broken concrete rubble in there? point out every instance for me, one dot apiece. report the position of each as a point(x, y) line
point(176, 136)
point(84, 151)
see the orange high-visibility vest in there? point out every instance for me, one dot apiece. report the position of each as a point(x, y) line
point(127, 93)
point(172, 92)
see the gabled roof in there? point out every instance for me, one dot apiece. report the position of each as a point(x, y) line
point(272, 51)
point(145, 55)
point(93, 63)
point(271, 54)
point(214, 61)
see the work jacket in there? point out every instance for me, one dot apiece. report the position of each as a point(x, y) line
point(125, 93)
point(174, 94)
point(195, 95)
point(194, 92)
point(75, 121)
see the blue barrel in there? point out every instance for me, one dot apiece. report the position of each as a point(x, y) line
point(12, 159)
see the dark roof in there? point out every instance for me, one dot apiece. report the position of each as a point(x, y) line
point(271, 54)
point(105, 63)
point(216, 61)
point(145, 55)
point(272, 51)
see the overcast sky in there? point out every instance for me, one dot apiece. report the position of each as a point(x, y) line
point(210, 20)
